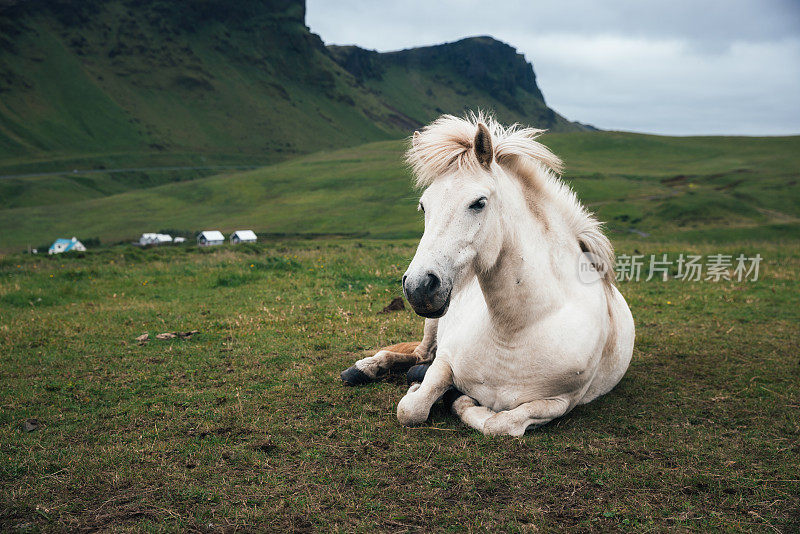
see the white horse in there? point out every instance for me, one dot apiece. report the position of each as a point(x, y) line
point(516, 280)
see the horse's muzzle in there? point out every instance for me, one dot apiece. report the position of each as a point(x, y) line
point(427, 294)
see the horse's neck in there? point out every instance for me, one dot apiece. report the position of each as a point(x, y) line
point(523, 284)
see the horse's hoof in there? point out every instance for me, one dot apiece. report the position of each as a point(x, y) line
point(417, 373)
point(450, 397)
point(354, 376)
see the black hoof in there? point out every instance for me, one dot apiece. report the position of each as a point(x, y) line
point(450, 397)
point(355, 377)
point(417, 373)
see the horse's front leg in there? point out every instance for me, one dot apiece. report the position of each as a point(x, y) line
point(515, 422)
point(414, 408)
point(470, 412)
point(372, 368)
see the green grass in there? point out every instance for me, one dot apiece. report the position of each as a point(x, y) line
point(661, 186)
point(77, 187)
point(247, 425)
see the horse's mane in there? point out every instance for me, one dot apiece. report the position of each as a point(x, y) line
point(446, 145)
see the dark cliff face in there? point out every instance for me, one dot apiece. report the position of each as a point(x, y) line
point(486, 63)
point(362, 64)
point(237, 13)
point(271, 33)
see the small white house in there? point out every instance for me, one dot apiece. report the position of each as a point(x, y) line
point(179, 240)
point(210, 237)
point(65, 245)
point(243, 236)
point(155, 239)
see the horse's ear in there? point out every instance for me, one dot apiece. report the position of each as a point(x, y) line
point(414, 138)
point(483, 145)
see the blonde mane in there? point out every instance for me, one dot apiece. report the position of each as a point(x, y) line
point(446, 146)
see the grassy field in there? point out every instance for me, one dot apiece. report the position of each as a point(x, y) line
point(693, 187)
point(246, 426)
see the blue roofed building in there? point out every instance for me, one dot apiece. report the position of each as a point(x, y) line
point(66, 245)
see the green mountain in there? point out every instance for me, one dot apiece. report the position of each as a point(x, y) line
point(478, 72)
point(136, 83)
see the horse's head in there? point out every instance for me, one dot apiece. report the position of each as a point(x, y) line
point(462, 230)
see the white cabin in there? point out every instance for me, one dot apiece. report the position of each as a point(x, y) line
point(155, 239)
point(243, 236)
point(208, 238)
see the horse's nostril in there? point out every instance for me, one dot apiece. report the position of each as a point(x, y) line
point(432, 283)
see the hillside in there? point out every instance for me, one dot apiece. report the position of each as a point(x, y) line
point(120, 83)
point(667, 187)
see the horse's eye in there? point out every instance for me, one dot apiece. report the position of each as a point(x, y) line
point(421, 208)
point(478, 205)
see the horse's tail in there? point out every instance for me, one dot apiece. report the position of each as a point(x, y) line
point(596, 246)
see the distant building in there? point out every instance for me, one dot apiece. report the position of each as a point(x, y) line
point(155, 239)
point(179, 240)
point(210, 237)
point(243, 236)
point(66, 245)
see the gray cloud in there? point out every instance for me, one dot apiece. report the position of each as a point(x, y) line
point(683, 67)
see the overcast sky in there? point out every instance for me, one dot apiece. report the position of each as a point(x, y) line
point(678, 67)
